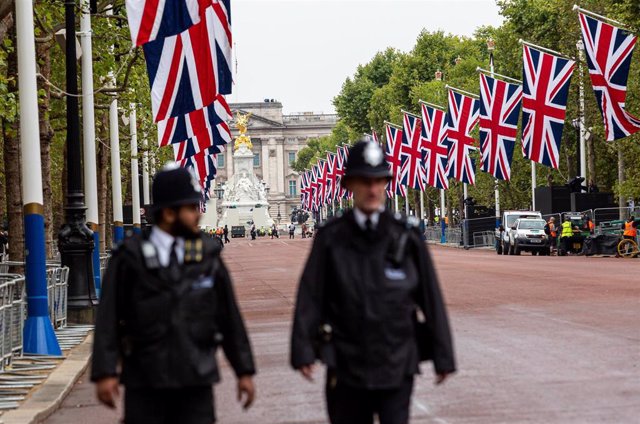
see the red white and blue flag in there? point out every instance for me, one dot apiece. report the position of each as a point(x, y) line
point(193, 146)
point(394, 160)
point(182, 69)
point(314, 198)
point(462, 117)
point(181, 128)
point(499, 112)
point(323, 181)
point(342, 156)
point(224, 42)
point(305, 188)
point(155, 19)
point(203, 164)
point(434, 143)
point(544, 104)
point(412, 154)
point(609, 50)
point(333, 190)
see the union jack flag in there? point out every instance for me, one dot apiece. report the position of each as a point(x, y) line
point(224, 43)
point(393, 158)
point(544, 103)
point(192, 147)
point(203, 165)
point(181, 128)
point(499, 111)
point(304, 190)
point(333, 191)
point(609, 50)
point(314, 198)
point(434, 142)
point(375, 138)
point(181, 69)
point(154, 19)
point(462, 117)
point(342, 156)
point(412, 154)
point(323, 181)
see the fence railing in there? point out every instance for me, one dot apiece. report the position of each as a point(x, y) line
point(13, 306)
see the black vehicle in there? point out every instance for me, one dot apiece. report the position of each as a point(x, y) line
point(237, 231)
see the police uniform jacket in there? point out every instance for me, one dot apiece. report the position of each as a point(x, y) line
point(354, 282)
point(164, 333)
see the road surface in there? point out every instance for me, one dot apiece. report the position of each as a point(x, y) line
point(538, 339)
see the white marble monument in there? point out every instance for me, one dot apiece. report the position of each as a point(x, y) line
point(245, 199)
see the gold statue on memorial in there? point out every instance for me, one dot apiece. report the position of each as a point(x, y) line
point(242, 122)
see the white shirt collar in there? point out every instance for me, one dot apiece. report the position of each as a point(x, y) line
point(361, 217)
point(163, 243)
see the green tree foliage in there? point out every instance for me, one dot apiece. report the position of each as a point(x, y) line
point(405, 78)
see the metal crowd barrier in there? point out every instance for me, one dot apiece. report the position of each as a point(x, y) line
point(57, 282)
point(12, 316)
point(484, 239)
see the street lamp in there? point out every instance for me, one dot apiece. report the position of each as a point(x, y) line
point(438, 75)
point(458, 60)
point(279, 217)
point(491, 45)
point(75, 239)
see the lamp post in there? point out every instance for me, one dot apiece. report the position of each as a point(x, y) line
point(75, 239)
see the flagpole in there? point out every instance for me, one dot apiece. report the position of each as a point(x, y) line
point(583, 141)
point(145, 171)
point(406, 203)
point(89, 138)
point(116, 182)
point(533, 185)
point(135, 185)
point(422, 207)
point(38, 334)
point(443, 238)
point(496, 187)
point(395, 200)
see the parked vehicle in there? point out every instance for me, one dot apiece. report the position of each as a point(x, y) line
point(527, 235)
point(238, 231)
point(508, 219)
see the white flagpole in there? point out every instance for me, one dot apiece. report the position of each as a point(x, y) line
point(406, 202)
point(533, 185)
point(135, 185)
point(116, 183)
point(422, 207)
point(89, 139)
point(442, 215)
point(583, 138)
point(465, 194)
point(145, 171)
point(39, 336)
point(395, 200)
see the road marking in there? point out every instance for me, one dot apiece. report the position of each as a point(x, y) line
point(424, 408)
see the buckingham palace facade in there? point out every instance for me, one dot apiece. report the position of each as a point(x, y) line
point(277, 138)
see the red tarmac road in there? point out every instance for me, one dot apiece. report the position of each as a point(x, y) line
point(538, 340)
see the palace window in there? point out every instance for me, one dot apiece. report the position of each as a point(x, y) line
point(256, 159)
point(220, 160)
point(293, 188)
point(292, 158)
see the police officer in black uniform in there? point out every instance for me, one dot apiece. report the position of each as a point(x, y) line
point(167, 303)
point(369, 305)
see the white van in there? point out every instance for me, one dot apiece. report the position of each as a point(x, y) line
point(508, 220)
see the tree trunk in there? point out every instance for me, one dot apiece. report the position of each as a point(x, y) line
point(12, 169)
point(43, 52)
point(6, 24)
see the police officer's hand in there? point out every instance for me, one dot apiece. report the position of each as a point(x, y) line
point(246, 387)
point(108, 391)
point(440, 378)
point(307, 371)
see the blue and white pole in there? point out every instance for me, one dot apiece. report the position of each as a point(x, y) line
point(89, 139)
point(116, 183)
point(135, 185)
point(443, 225)
point(39, 336)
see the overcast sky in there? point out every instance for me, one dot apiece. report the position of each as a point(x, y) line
point(300, 51)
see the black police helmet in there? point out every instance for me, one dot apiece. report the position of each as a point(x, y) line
point(175, 186)
point(366, 159)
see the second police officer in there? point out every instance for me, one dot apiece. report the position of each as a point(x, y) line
point(167, 303)
point(369, 304)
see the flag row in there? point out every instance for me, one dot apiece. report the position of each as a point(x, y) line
point(437, 145)
point(187, 46)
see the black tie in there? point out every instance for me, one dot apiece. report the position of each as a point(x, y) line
point(174, 265)
point(368, 225)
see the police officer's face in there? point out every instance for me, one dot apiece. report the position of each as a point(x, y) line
point(183, 221)
point(368, 193)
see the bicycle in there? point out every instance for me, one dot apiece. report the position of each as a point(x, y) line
point(628, 248)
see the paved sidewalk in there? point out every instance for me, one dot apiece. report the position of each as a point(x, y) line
point(538, 339)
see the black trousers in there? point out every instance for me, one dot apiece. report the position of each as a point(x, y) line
point(192, 405)
point(350, 405)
